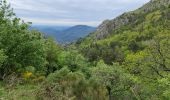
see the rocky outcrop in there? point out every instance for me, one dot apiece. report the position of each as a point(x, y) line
point(109, 25)
point(106, 28)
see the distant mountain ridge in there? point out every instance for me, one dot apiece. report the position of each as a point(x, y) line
point(65, 34)
point(74, 33)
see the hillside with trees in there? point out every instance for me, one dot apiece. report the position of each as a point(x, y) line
point(127, 58)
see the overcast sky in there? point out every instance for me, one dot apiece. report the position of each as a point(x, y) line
point(72, 12)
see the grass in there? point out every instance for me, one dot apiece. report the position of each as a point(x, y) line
point(20, 92)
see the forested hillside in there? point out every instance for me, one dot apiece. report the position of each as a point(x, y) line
point(127, 58)
point(129, 33)
point(65, 34)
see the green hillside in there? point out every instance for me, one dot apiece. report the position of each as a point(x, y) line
point(131, 32)
point(139, 41)
point(127, 58)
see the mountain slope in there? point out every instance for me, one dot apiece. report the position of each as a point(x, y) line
point(128, 18)
point(49, 29)
point(74, 33)
point(65, 34)
point(129, 33)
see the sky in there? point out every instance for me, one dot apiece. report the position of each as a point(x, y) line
point(72, 12)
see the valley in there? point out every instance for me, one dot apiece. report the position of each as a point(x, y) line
point(124, 58)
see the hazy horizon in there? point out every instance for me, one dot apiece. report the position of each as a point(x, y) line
point(72, 12)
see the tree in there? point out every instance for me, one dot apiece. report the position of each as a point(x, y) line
point(22, 47)
point(2, 59)
point(116, 81)
point(159, 51)
point(151, 68)
point(59, 85)
point(53, 52)
point(72, 59)
point(64, 84)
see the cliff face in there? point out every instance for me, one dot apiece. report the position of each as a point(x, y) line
point(108, 26)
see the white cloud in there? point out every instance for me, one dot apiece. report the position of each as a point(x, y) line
point(62, 22)
point(78, 11)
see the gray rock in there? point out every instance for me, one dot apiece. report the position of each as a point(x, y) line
point(106, 28)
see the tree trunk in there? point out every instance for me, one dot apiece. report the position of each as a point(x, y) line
point(109, 93)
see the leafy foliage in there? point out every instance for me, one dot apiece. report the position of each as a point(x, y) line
point(132, 63)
